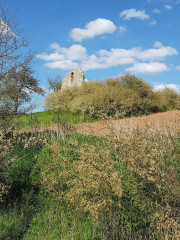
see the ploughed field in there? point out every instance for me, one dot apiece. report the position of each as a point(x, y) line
point(165, 121)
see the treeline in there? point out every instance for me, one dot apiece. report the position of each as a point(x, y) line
point(117, 97)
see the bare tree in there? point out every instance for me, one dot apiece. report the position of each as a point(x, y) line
point(16, 76)
point(14, 48)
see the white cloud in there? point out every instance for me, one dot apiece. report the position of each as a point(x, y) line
point(153, 67)
point(64, 65)
point(5, 29)
point(51, 57)
point(159, 53)
point(133, 13)
point(75, 52)
point(161, 87)
point(55, 46)
point(122, 29)
point(153, 22)
point(156, 10)
point(117, 56)
point(178, 67)
point(76, 55)
point(94, 28)
point(168, 7)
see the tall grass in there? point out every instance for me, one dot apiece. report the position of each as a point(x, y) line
point(124, 186)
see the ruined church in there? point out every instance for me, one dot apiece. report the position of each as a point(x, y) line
point(74, 78)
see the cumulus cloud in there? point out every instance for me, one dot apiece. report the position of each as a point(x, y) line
point(75, 52)
point(161, 87)
point(156, 10)
point(153, 67)
point(134, 13)
point(94, 28)
point(168, 7)
point(51, 57)
point(64, 65)
point(76, 55)
point(158, 53)
point(122, 29)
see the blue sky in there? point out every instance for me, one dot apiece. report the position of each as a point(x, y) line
point(104, 38)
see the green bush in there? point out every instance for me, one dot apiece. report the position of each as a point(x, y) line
point(98, 99)
point(167, 100)
point(121, 97)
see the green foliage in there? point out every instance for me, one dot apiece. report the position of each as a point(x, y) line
point(55, 84)
point(17, 87)
point(142, 88)
point(121, 97)
point(55, 221)
point(83, 187)
point(12, 224)
point(167, 100)
point(96, 99)
point(19, 187)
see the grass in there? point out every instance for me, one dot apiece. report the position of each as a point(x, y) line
point(49, 118)
point(84, 187)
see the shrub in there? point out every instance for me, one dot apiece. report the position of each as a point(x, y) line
point(99, 99)
point(142, 88)
point(125, 186)
point(116, 97)
point(167, 99)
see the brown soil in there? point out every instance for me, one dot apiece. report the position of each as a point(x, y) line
point(166, 121)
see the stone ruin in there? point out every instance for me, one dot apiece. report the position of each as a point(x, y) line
point(74, 78)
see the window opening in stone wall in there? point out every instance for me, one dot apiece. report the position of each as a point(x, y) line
point(72, 76)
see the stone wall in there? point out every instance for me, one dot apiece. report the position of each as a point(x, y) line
point(74, 78)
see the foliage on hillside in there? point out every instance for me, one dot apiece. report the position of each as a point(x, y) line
point(120, 97)
point(125, 186)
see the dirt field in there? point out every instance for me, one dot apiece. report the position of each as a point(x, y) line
point(166, 121)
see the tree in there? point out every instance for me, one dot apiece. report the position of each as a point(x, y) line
point(55, 84)
point(16, 79)
point(22, 84)
point(139, 86)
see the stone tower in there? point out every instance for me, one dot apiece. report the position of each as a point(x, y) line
point(74, 78)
